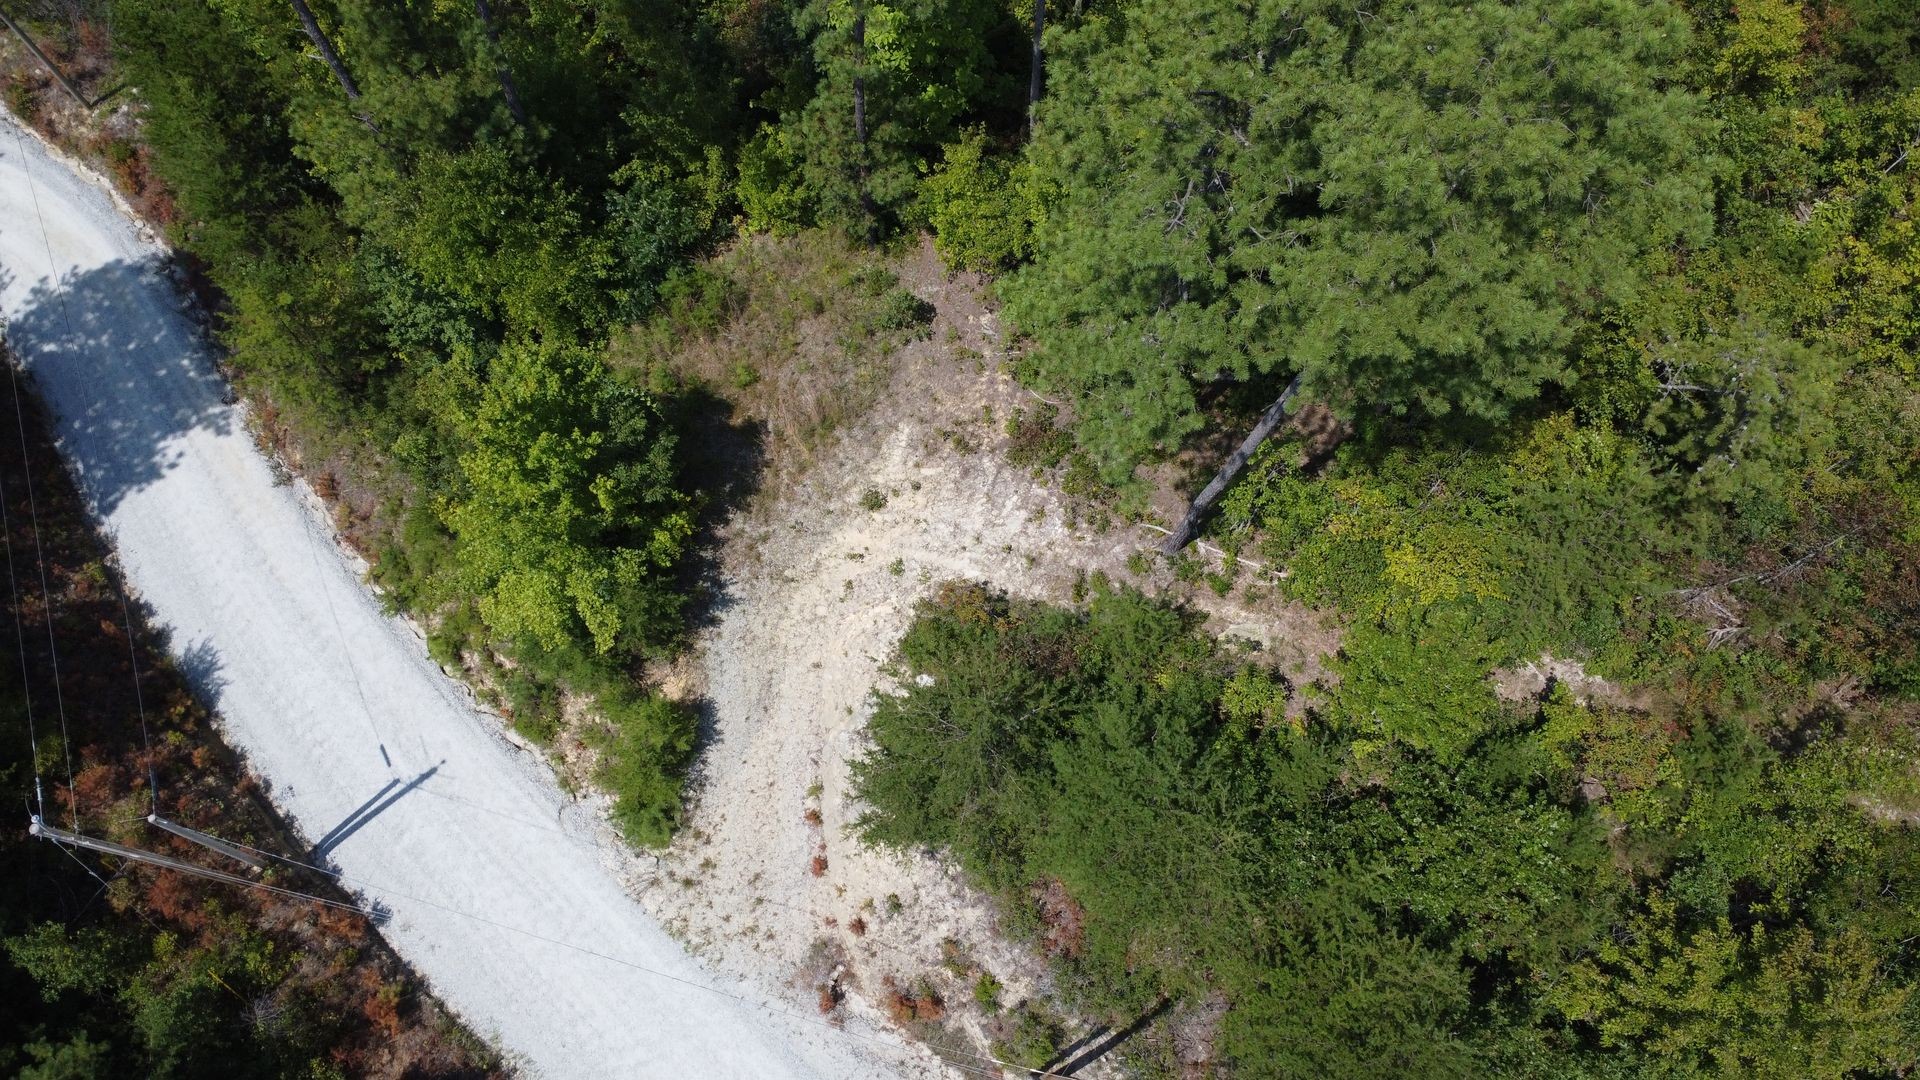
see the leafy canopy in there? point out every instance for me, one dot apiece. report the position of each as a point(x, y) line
point(567, 518)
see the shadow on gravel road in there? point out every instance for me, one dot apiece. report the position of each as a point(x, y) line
point(369, 810)
point(125, 372)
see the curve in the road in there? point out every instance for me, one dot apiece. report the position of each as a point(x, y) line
point(336, 704)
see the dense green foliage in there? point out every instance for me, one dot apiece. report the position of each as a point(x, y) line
point(1407, 879)
point(1616, 303)
point(420, 280)
point(1409, 205)
point(419, 257)
point(981, 208)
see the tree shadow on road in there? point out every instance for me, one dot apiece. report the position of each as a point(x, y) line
point(125, 373)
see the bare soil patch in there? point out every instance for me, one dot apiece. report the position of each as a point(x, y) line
point(819, 578)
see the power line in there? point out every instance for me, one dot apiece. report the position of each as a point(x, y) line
point(107, 847)
point(139, 700)
point(144, 917)
point(374, 888)
point(63, 839)
point(46, 600)
point(126, 608)
point(20, 638)
point(33, 513)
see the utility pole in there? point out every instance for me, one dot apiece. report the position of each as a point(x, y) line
point(58, 835)
point(71, 90)
point(213, 843)
point(41, 829)
point(1236, 461)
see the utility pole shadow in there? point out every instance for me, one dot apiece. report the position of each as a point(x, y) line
point(367, 811)
point(1093, 1047)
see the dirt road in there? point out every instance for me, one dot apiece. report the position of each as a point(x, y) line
point(501, 890)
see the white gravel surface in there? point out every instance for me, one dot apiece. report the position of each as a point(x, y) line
point(501, 889)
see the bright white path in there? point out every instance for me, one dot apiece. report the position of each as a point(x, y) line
point(338, 705)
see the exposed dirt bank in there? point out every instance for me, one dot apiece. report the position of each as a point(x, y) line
point(820, 581)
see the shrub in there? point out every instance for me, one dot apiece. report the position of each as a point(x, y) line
point(901, 310)
point(772, 195)
point(643, 761)
point(986, 992)
point(1037, 1034)
point(1035, 440)
point(980, 207)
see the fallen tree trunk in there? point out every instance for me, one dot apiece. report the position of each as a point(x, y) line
point(507, 88)
point(1269, 421)
point(72, 92)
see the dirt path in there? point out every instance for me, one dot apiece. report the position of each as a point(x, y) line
point(819, 589)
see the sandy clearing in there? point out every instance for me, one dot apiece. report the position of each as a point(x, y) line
point(337, 705)
point(816, 592)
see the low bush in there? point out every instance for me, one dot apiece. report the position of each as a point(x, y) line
point(980, 206)
point(644, 754)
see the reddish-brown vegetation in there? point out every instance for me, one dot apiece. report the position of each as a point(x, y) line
point(1062, 919)
point(917, 1006)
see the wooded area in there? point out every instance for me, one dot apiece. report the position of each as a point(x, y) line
point(1616, 303)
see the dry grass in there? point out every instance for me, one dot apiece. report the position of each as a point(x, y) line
point(798, 336)
point(107, 136)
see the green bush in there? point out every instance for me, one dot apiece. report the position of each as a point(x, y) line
point(980, 207)
point(1413, 849)
point(900, 310)
point(986, 992)
point(772, 195)
point(644, 757)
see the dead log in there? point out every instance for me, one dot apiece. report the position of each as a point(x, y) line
point(1269, 421)
point(507, 88)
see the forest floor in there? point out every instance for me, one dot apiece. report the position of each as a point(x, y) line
point(820, 577)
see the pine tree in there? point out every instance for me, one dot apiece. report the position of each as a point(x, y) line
point(1408, 206)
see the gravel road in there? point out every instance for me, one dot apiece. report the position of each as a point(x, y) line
point(500, 888)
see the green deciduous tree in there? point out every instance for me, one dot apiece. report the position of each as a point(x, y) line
point(981, 207)
point(893, 79)
point(1715, 1001)
point(1420, 679)
point(568, 520)
point(1192, 843)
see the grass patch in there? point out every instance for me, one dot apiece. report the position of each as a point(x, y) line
point(796, 333)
